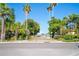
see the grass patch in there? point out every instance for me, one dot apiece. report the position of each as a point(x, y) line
point(70, 40)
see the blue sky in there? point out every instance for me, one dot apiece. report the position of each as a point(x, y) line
point(40, 14)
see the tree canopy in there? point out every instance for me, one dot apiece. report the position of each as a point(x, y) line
point(32, 26)
point(70, 22)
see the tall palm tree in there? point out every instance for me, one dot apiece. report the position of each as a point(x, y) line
point(50, 11)
point(50, 8)
point(4, 12)
point(27, 10)
point(53, 5)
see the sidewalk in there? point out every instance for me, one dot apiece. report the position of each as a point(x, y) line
point(37, 41)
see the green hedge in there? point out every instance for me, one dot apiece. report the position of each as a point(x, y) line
point(71, 37)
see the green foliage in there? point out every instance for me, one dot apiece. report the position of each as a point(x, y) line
point(73, 17)
point(21, 34)
point(9, 34)
point(32, 26)
point(54, 25)
point(16, 28)
point(27, 8)
point(4, 9)
point(70, 40)
point(19, 31)
point(70, 23)
point(71, 37)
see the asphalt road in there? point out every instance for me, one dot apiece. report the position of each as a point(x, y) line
point(39, 49)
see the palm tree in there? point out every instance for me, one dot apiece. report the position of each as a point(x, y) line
point(53, 5)
point(4, 12)
point(50, 8)
point(27, 10)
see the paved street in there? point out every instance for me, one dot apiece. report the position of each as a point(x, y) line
point(39, 49)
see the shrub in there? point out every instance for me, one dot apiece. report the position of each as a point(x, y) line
point(68, 37)
point(78, 36)
point(21, 36)
point(71, 37)
point(9, 34)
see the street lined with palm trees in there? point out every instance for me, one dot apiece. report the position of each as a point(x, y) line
point(18, 37)
point(66, 29)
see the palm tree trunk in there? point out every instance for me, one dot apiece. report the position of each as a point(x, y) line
point(61, 30)
point(52, 11)
point(3, 29)
point(26, 24)
point(26, 14)
point(16, 33)
point(51, 15)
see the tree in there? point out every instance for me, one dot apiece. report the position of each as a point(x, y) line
point(74, 18)
point(22, 32)
point(17, 27)
point(53, 5)
point(27, 10)
point(4, 13)
point(54, 26)
point(63, 25)
point(12, 19)
point(50, 8)
point(72, 22)
point(33, 26)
